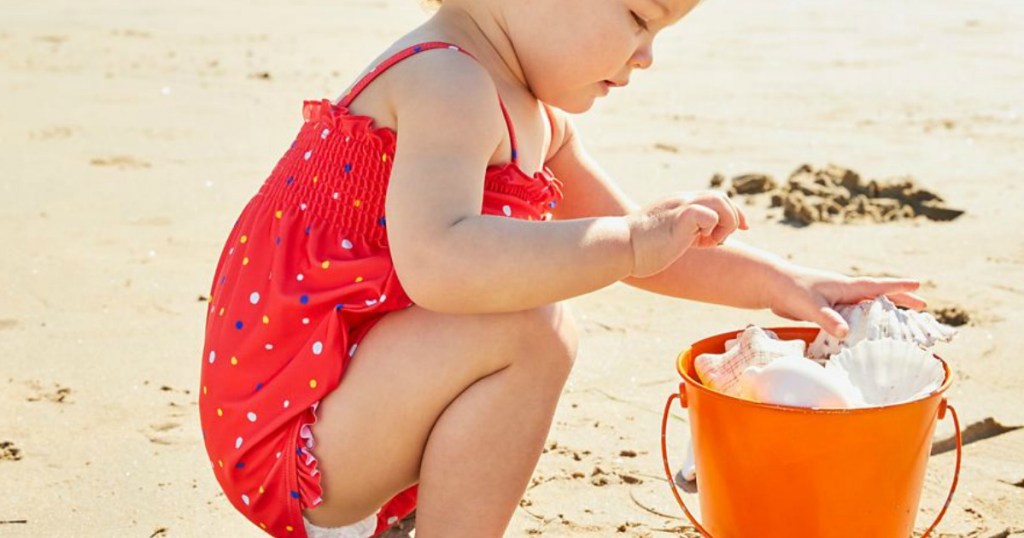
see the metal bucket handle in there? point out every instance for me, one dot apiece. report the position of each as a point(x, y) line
point(943, 406)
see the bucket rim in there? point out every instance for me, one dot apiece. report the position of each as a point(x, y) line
point(787, 333)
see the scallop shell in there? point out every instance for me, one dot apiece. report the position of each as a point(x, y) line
point(880, 319)
point(888, 372)
point(799, 382)
point(753, 347)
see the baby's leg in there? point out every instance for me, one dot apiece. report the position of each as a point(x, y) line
point(461, 404)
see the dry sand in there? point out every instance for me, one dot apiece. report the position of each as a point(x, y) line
point(133, 132)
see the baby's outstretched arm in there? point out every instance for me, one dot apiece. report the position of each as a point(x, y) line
point(734, 274)
point(746, 277)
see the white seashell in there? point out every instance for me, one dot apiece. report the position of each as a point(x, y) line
point(878, 319)
point(887, 372)
point(753, 347)
point(732, 341)
point(798, 382)
point(689, 470)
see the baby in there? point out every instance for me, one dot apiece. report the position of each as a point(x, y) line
point(387, 329)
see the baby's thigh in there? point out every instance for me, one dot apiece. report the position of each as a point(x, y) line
point(372, 429)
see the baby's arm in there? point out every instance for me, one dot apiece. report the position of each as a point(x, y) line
point(449, 257)
point(733, 274)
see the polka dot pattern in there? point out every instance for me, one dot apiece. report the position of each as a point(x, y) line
point(313, 272)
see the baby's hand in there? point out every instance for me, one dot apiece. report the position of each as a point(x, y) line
point(661, 232)
point(806, 294)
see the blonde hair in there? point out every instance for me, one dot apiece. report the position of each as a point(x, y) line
point(432, 4)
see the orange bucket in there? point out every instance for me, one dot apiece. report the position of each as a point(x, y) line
point(772, 471)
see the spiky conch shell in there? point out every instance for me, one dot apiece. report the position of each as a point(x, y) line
point(753, 347)
point(881, 319)
point(889, 371)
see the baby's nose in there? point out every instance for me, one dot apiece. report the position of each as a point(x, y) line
point(643, 58)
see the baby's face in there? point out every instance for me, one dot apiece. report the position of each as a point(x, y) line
point(570, 50)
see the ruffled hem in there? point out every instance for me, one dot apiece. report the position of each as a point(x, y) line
point(310, 490)
point(542, 191)
point(340, 120)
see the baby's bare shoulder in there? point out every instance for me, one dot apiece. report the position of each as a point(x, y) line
point(444, 87)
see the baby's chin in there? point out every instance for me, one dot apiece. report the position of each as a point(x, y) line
point(574, 104)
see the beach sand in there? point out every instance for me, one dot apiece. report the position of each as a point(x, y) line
point(132, 134)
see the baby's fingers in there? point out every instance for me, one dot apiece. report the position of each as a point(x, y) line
point(743, 218)
point(730, 218)
point(908, 300)
point(700, 223)
point(831, 322)
point(863, 288)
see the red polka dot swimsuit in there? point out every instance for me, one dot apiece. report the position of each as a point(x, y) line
point(305, 273)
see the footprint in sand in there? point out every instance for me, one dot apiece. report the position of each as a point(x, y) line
point(57, 132)
point(54, 39)
point(561, 450)
point(122, 162)
point(58, 394)
point(130, 33)
point(9, 452)
point(168, 431)
point(160, 433)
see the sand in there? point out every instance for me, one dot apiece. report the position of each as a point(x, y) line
point(133, 133)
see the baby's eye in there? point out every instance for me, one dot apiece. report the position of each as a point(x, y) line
point(639, 20)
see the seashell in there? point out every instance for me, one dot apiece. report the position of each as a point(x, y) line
point(799, 382)
point(878, 319)
point(753, 347)
point(689, 470)
point(732, 341)
point(889, 371)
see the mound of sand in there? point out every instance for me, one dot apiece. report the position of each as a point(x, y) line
point(839, 195)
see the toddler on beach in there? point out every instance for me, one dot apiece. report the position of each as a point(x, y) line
point(387, 327)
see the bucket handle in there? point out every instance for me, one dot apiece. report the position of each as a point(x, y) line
point(668, 468)
point(943, 407)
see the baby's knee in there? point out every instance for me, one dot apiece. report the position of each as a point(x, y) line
point(549, 333)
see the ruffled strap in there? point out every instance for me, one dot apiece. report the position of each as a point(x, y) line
point(377, 70)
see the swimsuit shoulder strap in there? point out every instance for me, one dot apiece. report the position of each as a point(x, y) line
point(377, 70)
